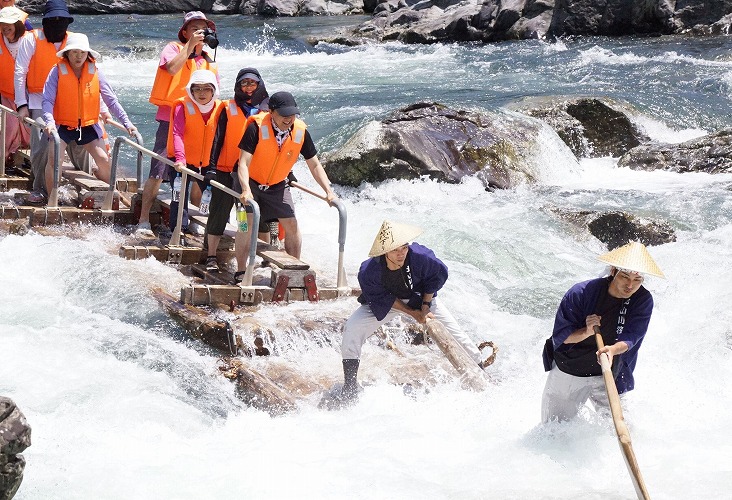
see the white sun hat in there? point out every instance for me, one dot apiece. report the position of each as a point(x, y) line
point(78, 41)
point(11, 15)
point(391, 236)
point(632, 257)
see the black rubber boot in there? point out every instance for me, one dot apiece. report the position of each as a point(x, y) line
point(350, 385)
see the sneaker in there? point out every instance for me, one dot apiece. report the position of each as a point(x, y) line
point(36, 197)
point(144, 230)
point(239, 277)
point(212, 264)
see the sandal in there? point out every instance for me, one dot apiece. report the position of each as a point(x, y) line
point(239, 277)
point(212, 264)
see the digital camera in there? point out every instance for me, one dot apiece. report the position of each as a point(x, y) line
point(210, 38)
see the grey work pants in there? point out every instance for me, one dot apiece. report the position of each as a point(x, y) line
point(39, 154)
point(362, 324)
point(565, 394)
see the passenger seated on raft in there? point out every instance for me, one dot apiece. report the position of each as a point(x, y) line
point(83, 86)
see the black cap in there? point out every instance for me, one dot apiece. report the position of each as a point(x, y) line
point(283, 103)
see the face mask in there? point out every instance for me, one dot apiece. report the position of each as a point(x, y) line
point(55, 30)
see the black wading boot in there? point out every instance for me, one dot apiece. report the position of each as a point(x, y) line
point(350, 386)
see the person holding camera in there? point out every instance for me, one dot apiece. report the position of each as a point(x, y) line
point(178, 61)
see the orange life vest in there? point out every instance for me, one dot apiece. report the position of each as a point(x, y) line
point(7, 65)
point(235, 126)
point(169, 88)
point(42, 61)
point(77, 99)
point(270, 164)
point(198, 135)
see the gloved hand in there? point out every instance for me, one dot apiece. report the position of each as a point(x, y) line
point(209, 176)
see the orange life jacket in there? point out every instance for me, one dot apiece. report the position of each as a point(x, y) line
point(42, 61)
point(7, 66)
point(235, 126)
point(198, 135)
point(77, 99)
point(169, 88)
point(270, 164)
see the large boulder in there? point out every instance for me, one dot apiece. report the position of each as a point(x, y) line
point(591, 126)
point(446, 144)
point(15, 436)
point(711, 154)
point(616, 228)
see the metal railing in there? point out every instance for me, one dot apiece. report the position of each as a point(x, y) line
point(342, 224)
point(138, 145)
point(185, 172)
point(56, 148)
point(39, 123)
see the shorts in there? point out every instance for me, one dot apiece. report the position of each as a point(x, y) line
point(275, 202)
point(158, 169)
point(68, 135)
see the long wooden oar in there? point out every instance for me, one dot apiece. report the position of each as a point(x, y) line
point(620, 428)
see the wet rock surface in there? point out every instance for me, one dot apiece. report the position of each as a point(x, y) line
point(440, 142)
point(15, 436)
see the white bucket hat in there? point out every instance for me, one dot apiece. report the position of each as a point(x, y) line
point(632, 257)
point(78, 41)
point(391, 236)
point(11, 15)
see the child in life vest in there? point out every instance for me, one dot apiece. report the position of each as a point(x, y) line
point(82, 85)
point(193, 124)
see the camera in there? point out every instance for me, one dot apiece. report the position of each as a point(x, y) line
point(210, 38)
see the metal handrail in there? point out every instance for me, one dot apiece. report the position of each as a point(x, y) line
point(39, 123)
point(185, 171)
point(114, 160)
point(342, 224)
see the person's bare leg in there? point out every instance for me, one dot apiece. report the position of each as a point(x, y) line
point(149, 193)
point(213, 244)
point(242, 246)
point(97, 151)
point(195, 194)
point(293, 238)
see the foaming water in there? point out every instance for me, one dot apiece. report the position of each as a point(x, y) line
point(123, 404)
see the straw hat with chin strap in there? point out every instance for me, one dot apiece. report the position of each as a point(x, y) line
point(632, 257)
point(391, 236)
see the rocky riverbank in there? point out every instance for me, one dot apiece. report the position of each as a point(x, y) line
point(422, 21)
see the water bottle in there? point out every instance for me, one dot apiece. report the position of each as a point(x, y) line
point(205, 201)
point(241, 218)
point(175, 194)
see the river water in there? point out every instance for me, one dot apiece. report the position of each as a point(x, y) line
point(124, 405)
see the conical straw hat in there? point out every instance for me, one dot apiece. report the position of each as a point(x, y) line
point(632, 257)
point(391, 236)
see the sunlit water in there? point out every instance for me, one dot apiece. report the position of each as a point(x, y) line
point(123, 404)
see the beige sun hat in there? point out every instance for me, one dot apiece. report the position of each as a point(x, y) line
point(78, 41)
point(632, 257)
point(391, 236)
point(11, 15)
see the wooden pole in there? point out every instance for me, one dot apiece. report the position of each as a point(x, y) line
point(471, 373)
point(620, 428)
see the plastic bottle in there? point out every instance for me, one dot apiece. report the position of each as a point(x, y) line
point(205, 201)
point(241, 218)
point(175, 193)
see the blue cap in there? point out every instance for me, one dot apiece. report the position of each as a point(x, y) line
point(56, 8)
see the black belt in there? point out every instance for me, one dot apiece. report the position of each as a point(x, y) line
point(265, 187)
